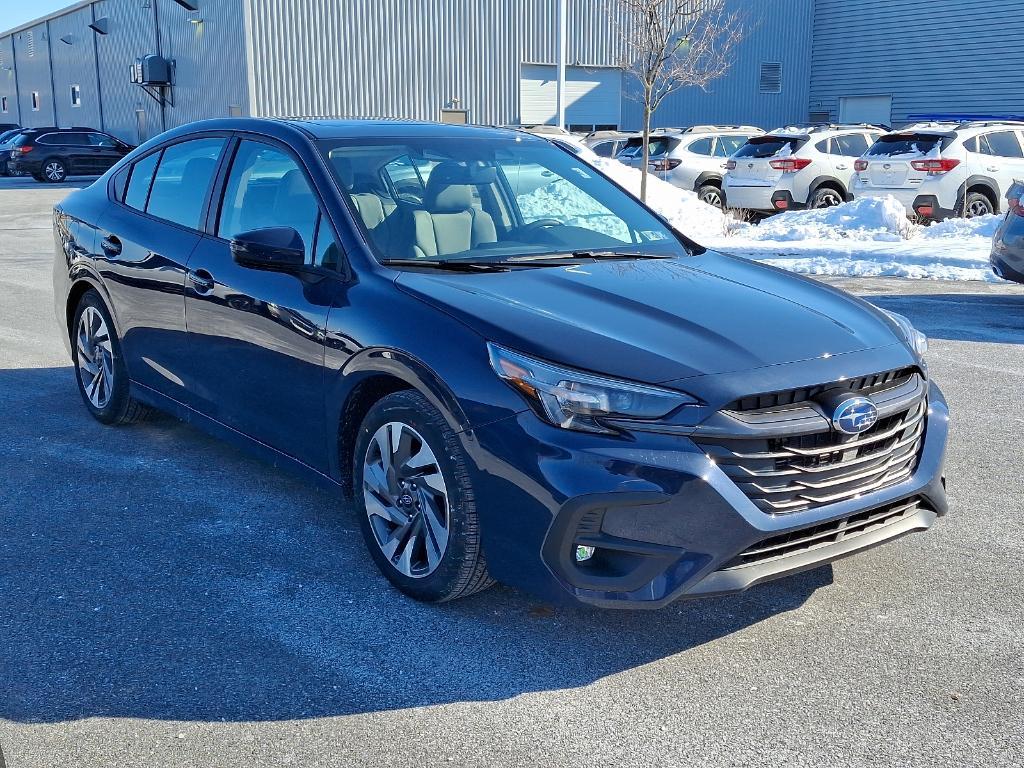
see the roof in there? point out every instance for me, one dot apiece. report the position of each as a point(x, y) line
point(71, 7)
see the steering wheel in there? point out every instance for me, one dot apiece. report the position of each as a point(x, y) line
point(533, 226)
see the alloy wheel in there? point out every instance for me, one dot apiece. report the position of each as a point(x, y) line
point(828, 199)
point(95, 357)
point(54, 171)
point(712, 198)
point(978, 208)
point(406, 499)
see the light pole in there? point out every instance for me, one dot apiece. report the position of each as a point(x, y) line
point(563, 44)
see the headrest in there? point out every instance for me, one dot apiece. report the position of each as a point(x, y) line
point(343, 167)
point(450, 186)
point(291, 190)
point(197, 172)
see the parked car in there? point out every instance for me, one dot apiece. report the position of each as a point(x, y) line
point(7, 138)
point(9, 127)
point(608, 143)
point(694, 158)
point(1008, 243)
point(53, 154)
point(500, 393)
point(938, 170)
point(805, 166)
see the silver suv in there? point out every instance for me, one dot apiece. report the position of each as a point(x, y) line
point(800, 166)
point(691, 158)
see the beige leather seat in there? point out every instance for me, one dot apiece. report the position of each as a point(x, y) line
point(450, 223)
point(375, 210)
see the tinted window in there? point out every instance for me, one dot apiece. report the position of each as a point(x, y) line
point(727, 145)
point(326, 249)
point(138, 183)
point(101, 140)
point(120, 182)
point(1001, 144)
point(822, 146)
point(852, 145)
point(607, 149)
point(701, 147)
point(768, 146)
point(66, 139)
point(908, 144)
point(659, 145)
point(266, 188)
point(182, 180)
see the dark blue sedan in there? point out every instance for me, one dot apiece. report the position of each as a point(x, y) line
point(1007, 256)
point(512, 368)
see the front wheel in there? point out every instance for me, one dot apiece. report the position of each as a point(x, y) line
point(415, 501)
point(99, 365)
point(54, 171)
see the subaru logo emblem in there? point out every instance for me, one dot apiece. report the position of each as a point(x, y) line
point(855, 415)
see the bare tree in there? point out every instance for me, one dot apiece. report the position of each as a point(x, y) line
point(674, 44)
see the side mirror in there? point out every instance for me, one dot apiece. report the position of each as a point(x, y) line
point(269, 248)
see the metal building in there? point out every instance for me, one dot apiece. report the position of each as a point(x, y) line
point(483, 61)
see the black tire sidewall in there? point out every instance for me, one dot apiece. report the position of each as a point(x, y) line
point(463, 550)
point(120, 399)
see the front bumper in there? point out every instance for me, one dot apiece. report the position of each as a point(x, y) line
point(666, 522)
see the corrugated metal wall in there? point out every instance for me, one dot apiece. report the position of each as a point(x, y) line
point(778, 31)
point(929, 55)
point(411, 58)
point(32, 59)
point(74, 63)
point(8, 84)
point(208, 47)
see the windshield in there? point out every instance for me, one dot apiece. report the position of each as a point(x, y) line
point(896, 144)
point(447, 199)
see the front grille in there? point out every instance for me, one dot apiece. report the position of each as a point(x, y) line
point(782, 475)
point(863, 385)
point(822, 535)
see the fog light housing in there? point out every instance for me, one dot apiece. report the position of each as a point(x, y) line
point(583, 553)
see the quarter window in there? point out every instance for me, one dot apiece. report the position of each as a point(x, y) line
point(182, 180)
point(701, 147)
point(266, 188)
point(851, 145)
point(606, 149)
point(140, 181)
point(728, 145)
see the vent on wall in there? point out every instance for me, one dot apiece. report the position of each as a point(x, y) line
point(771, 77)
point(821, 117)
point(31, 37)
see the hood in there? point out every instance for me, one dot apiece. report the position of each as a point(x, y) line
point(658, 321)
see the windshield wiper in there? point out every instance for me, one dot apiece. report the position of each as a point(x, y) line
point(585, 256)
point(452, 265)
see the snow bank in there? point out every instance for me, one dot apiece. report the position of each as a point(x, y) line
point(878, 220)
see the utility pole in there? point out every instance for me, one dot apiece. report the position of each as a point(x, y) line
point(563, 44)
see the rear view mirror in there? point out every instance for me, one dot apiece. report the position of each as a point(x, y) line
point(269, 248)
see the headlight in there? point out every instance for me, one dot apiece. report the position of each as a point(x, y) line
point(917, 340)
point(575, 400)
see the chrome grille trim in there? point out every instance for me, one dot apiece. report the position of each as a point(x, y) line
point(787, 474)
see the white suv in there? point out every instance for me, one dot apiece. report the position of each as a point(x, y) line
point(809, 166)
point(692, 158)
point(938, 170)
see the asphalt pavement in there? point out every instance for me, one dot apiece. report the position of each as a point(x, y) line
point(170, 601)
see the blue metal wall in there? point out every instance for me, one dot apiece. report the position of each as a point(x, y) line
point(929, 55)
point(778, 31)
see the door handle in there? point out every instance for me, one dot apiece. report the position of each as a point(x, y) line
point(993, 169)
point(201, 279)
point(111, 245)
point(842, 167)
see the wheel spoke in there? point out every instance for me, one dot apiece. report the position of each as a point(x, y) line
point(437, 533)
point(404, 563)
point(434, 480)
point(375, 479)
point(377, 508)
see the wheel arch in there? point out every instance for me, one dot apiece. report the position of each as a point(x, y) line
point(81, 282)
point(708, 177)
point(365, 379)
point(981, 184)
point(826, 181)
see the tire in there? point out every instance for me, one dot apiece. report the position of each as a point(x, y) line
point(102, 378)
point(825, 197)
point(712, 195)
point(419, 520)
point(53, 170)
point(977, 204)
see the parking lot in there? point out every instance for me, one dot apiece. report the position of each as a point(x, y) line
point(170, 601)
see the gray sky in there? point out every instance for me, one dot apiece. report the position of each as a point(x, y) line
point(14, 13)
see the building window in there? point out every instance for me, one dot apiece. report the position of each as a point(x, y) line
point(3, 104)
point(771, 77)
point(35, 101)
point(76, 96)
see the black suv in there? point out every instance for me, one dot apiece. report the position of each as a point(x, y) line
point(53, 154)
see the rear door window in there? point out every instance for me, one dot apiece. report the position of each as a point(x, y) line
point(183, 179)
point(1000, 144)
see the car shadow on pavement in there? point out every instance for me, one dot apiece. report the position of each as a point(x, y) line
point(981, 317)
point(152, 572)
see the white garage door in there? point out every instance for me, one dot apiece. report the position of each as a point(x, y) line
point(593, 96)
point(876, 110)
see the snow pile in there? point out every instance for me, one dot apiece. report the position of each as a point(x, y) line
point(880, 220)
point(684, 211)
point(868, 238)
